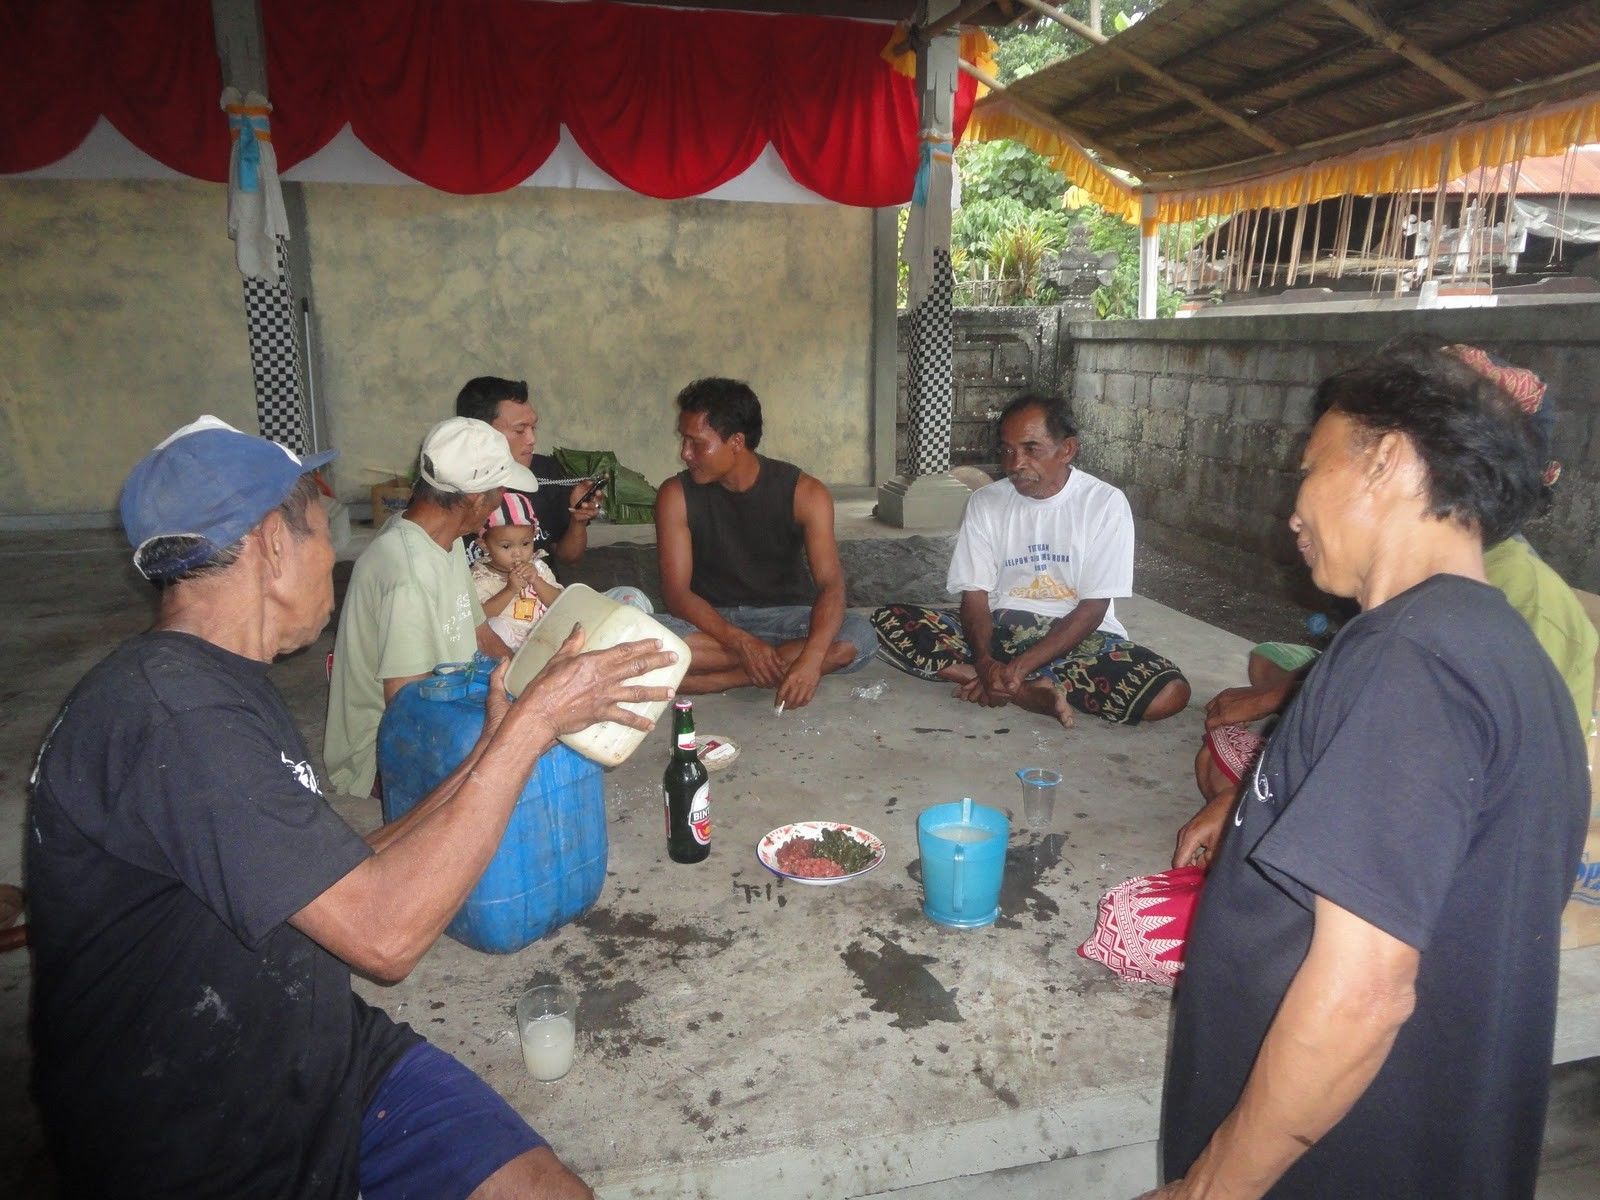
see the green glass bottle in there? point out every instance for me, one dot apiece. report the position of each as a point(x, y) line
point(686, 792)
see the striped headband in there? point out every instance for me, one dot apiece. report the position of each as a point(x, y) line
point(515, 508)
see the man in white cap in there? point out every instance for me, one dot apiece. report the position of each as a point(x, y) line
point(196, 907)
point(411, 604)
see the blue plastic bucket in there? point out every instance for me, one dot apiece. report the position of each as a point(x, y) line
point(550, 866)
point(963, 848)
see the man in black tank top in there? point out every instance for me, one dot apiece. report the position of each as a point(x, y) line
point(749, 566)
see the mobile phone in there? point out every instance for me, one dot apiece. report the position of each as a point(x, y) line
point(594, 486)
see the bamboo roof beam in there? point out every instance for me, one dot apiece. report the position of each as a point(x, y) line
point(1043, 118)
point(1416, 55)
point(1192, 94)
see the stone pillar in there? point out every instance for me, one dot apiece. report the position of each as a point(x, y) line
point(930, 496)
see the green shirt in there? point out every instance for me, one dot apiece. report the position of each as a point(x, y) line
point(410, 606)
point(1552, 612)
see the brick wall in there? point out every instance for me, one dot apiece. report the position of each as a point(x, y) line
point(1201, 421)
point(998, 352)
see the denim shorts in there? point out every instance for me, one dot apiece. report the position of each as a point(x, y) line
point(788, 623)
point(435, 1130)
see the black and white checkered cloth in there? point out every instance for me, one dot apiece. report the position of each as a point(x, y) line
point(275, 359)
point(931, 368)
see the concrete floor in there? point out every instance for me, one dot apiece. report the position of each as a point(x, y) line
point(741, 1036)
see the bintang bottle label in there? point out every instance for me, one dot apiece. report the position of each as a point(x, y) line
point(700, 814)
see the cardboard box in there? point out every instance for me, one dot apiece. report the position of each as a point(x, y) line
point(389, 497)
point(1580, 920)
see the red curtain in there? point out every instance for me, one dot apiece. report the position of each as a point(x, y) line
point(306, 60)
point(469, 96)
point(48, 99)
point(150, 67)
point(160, 82)
point(844, 121)
point(670, 104)
point(456, 95)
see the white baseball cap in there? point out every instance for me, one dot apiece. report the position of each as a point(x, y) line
point(471, 456)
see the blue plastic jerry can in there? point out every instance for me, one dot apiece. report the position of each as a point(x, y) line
point(551, 863)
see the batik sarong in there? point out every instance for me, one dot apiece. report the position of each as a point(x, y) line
point(1105, 676)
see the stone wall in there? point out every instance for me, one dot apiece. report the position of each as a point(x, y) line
point(1202, 421)
point(998, 352)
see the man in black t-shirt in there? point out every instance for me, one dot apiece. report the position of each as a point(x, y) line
point(195, 908)
point(563, 525)
point(1368, 1003)
point(749, 564)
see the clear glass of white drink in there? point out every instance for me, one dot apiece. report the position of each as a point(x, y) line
point(547, 1016)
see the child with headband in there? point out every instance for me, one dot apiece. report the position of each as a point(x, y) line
point(514, 584)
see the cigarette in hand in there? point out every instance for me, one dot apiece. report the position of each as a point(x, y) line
point(777, 709)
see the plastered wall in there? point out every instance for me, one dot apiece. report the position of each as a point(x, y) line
point(121, 318)
point(607, 303)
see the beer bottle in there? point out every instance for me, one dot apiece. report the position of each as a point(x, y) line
point(686, 791)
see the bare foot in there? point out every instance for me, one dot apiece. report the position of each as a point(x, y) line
point(965, 677)
point(1040, 697)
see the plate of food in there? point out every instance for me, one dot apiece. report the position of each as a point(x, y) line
point(819, 852)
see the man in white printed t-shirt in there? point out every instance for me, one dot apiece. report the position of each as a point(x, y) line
point(1040, 560)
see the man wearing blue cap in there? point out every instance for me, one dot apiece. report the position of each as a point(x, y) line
point(196, 908)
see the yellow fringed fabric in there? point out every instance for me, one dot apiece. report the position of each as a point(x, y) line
point(1387, 170)
point(979, 49)
point(1105, 189)
point(1384, 170)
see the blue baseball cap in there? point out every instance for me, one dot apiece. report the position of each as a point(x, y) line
point(211, 483)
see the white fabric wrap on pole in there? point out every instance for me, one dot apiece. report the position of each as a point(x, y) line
point(256, 218)
point(1149, 254)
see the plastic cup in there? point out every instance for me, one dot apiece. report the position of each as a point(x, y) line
point(547, 1023)
point(1039, 786)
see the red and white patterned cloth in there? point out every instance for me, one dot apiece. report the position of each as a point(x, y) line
point(1143, 925)
point(1234, 748)
point(1521, 384)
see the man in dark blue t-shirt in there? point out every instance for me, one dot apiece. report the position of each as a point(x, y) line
point(196, 908)
point(1368, 1004)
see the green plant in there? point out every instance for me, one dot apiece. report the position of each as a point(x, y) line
point(1007, 170)
point(977, 226)
point(1018, 252)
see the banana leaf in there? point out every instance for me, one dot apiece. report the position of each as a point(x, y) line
point(630, 497)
